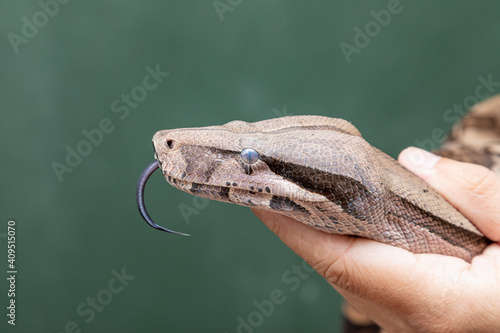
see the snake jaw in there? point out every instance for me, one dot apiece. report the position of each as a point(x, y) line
point(141, 184)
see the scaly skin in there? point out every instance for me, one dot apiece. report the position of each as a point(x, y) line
point(321, 172)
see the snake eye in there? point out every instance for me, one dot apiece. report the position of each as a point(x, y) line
point(249, 156)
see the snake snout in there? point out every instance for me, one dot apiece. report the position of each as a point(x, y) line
point(141, 184)
point(166, 140)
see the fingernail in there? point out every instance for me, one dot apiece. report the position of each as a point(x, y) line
point(420, 158)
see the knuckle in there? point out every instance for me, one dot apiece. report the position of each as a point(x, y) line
point(480, 181)
point(343, 273)
point(278, 229)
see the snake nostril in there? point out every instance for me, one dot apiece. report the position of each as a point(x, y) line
point(170, 144)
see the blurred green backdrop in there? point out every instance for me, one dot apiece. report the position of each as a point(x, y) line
point(66, 70)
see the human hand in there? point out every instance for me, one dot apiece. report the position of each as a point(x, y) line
point(406, 292)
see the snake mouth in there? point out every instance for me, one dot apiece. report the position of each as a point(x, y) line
point(209, 191)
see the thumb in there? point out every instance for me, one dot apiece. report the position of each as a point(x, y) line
point(473, 189)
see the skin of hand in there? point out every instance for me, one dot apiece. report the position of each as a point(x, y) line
point(406, 292)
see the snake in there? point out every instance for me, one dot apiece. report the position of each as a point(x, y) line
point(321, 171)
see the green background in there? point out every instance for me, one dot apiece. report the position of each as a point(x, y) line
point(263, 59)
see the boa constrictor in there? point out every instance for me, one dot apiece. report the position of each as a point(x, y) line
point(321, 172)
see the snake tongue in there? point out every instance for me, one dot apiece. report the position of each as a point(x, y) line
point(141, 184)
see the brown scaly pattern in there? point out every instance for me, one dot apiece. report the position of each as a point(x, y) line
point(321, 172)
point(476, 139)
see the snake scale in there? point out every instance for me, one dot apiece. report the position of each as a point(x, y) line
point(321, 172)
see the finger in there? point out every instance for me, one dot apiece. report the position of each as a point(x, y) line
point(311, 244)
point(472, 189)
point(357, 265)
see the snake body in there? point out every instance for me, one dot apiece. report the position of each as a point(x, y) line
point(321, 172)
